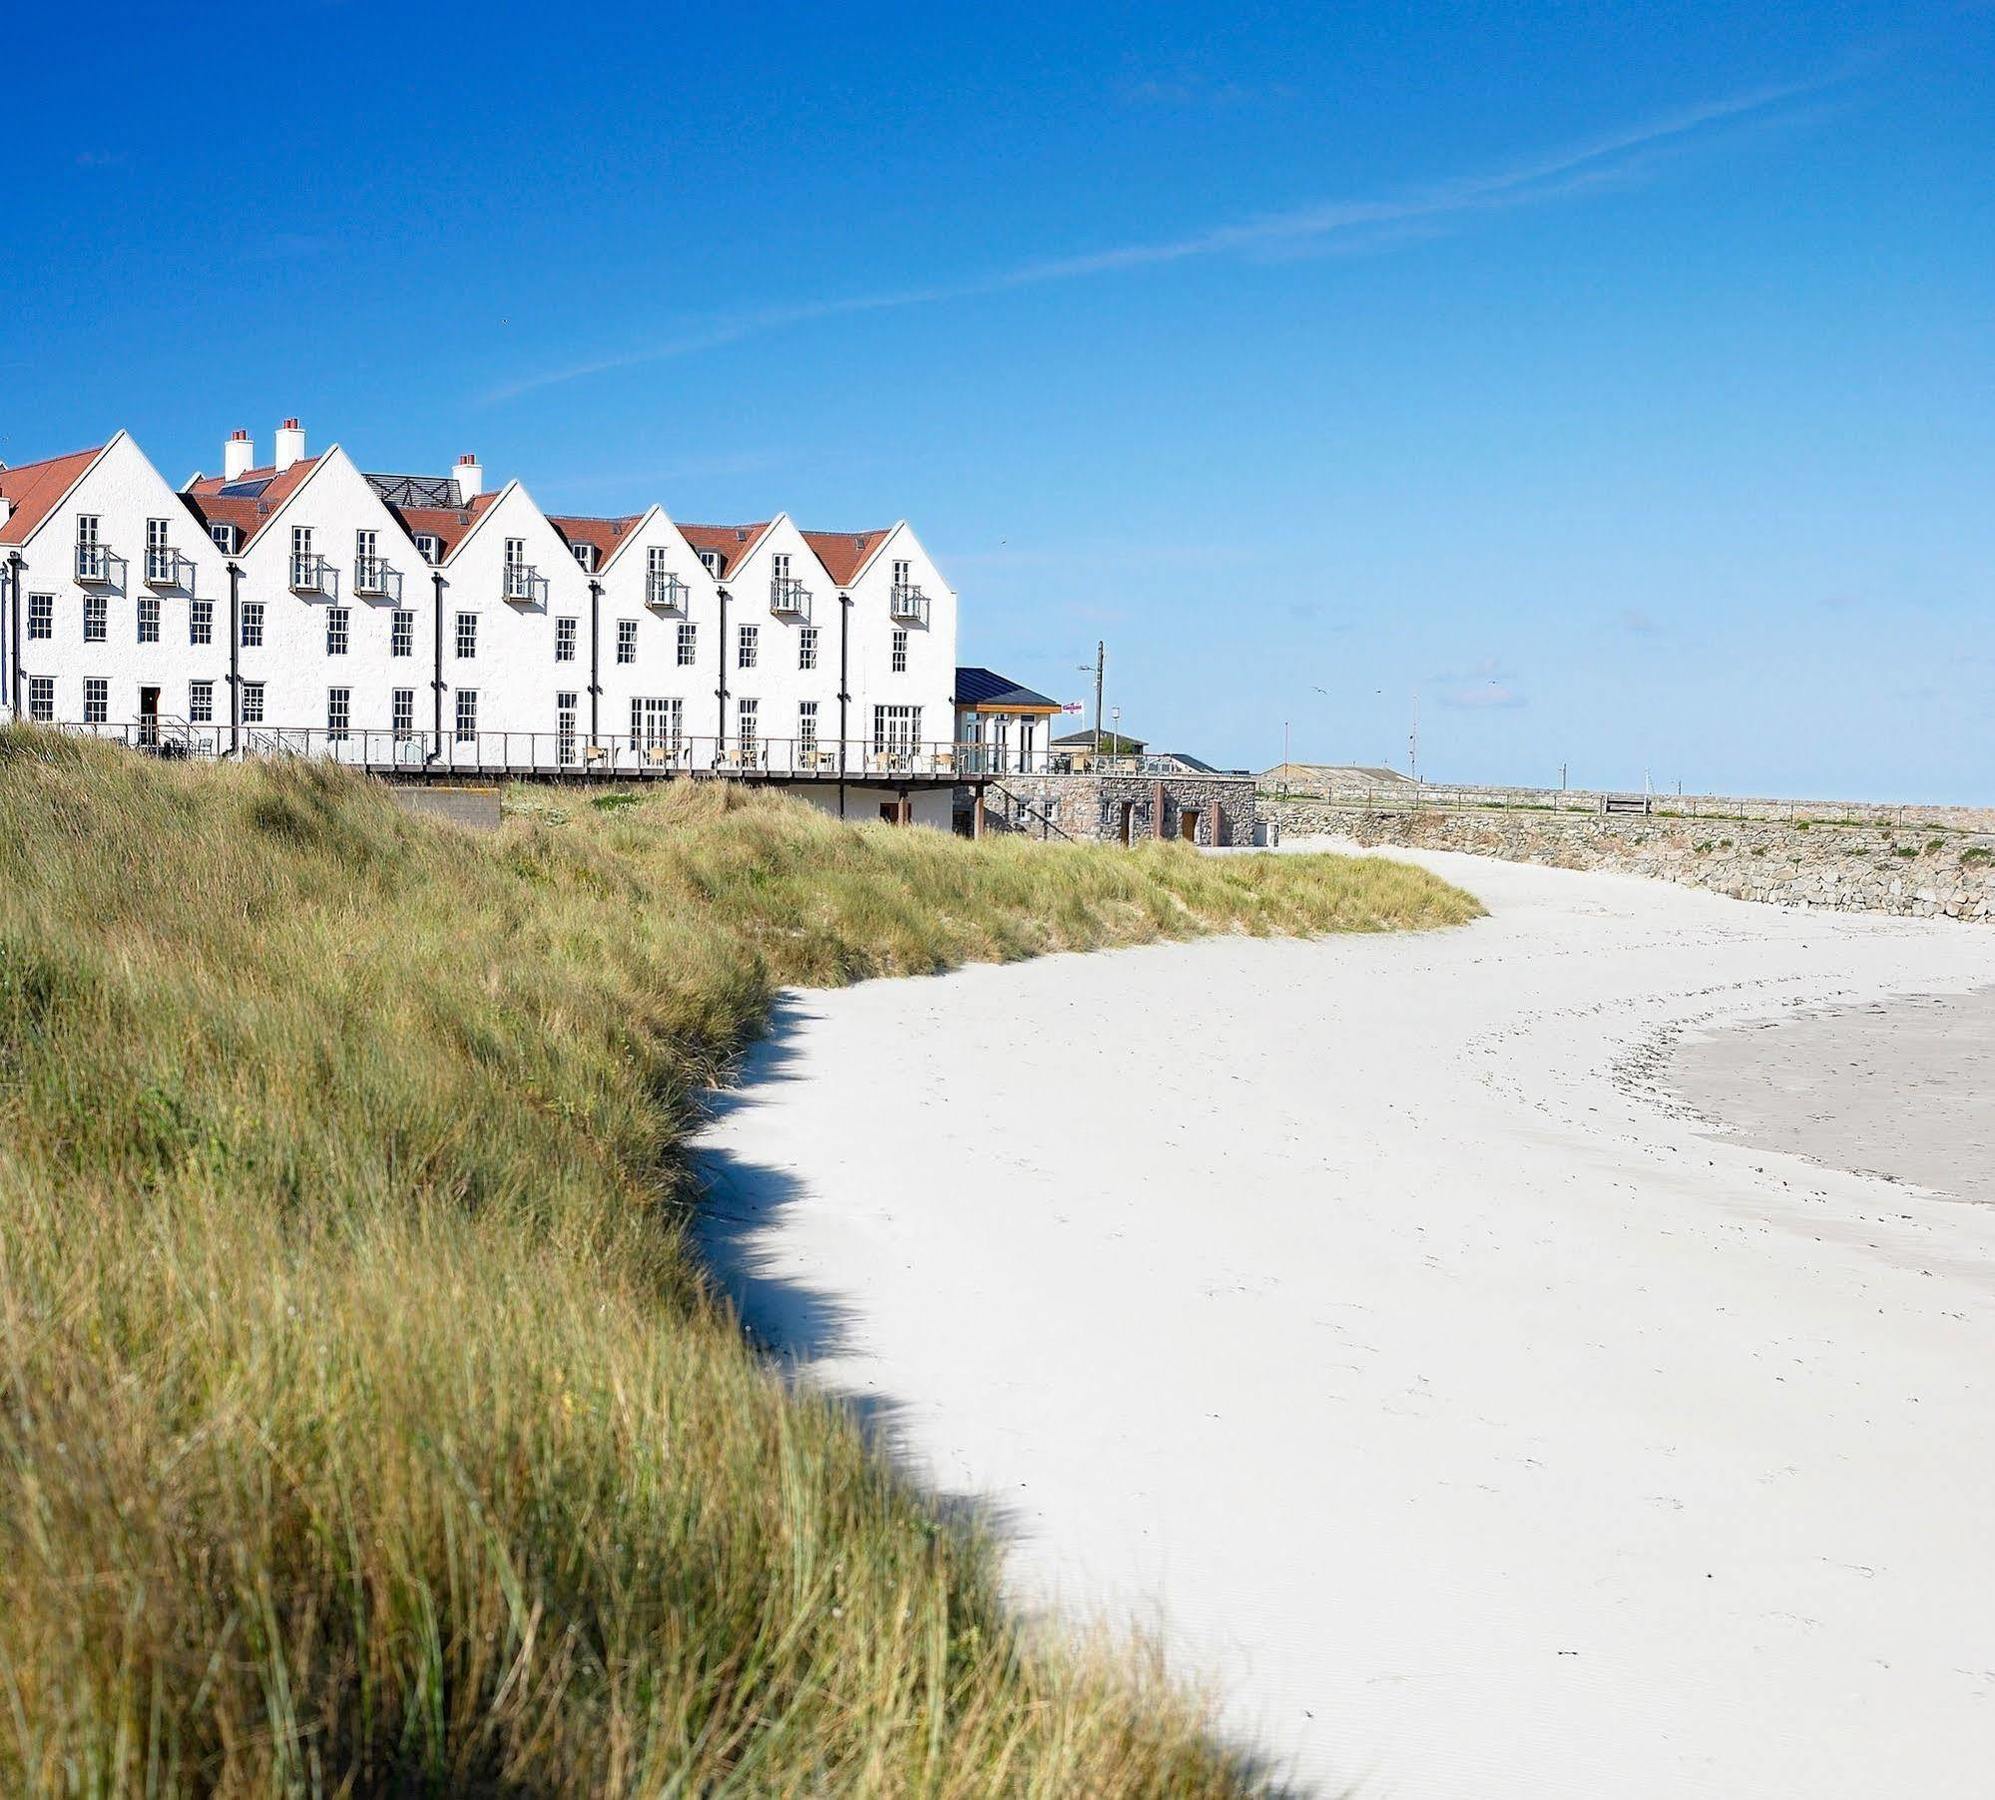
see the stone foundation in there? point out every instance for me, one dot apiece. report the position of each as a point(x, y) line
point(1091, 808)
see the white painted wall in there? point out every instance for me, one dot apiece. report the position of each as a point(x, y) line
point(930, 678)
point(657, 673)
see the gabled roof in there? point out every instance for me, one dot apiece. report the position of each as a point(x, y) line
point(1113, 743)
point(37, 488)
point(608, 536)
point(845, 553)
point(986, 687)
point(1197, 765)
point(733, 544)
point(251, 500)
point(448, 525)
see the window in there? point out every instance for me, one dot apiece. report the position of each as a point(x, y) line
point(711, 561)
point(41, 615)
point(158, 552)
point(370, 573)
point(467, 715)
point(252, 624)
point(807, 729)
point(200, 703)
point(41, 698)
point(688, 639)
point(564, 640)
point(467, 636)
point(656, 724)
point(515, 553)
point(224, 536)
point(747, 647)
point(807, 647)
point(519, 578)
point(564, 728)
point(896, 729)
point(626, 640)
point(402, 713)
point(429, 547)
point(339, 713)
point(585, 554)
point(903, 570)
point(304, 565)
point(96, 700)
point(338, 619)
point(252, 703)
point(900, 651)
point(96, 619)
point(779, 566)
point(200, 621)
point(401, 633)
point(655, 562)
point(747, 714)
point(91, 562)
point(148, 619)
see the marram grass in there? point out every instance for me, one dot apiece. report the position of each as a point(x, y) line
point(365, 1422)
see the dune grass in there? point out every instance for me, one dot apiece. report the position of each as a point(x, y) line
point(365, 1422)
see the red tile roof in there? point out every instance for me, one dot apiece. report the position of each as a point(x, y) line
point(844, 553)
point(248, 513)
point(731, 543)
point(448, 524)
point(607, 535)
point(37, 488)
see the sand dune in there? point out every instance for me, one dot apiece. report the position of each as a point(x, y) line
point(1370, 1317)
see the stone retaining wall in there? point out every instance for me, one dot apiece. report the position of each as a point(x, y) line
point(1919, 871)
point(1089, 808)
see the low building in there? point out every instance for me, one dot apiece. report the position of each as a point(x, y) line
point(1002, 727)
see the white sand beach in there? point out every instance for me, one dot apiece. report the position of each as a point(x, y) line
point(1372, 1319)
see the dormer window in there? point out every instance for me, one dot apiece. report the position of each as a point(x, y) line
point(224, 536)
point(585, 554)
point(429, 547)
point(710, 561)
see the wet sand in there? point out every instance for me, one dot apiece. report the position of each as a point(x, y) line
point(1901, 1088)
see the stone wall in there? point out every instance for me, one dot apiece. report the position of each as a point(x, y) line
point(1923, 871)
point(1089, 808)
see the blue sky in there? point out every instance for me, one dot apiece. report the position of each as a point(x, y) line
point(1620, 379)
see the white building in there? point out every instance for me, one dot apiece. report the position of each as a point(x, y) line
point(423, 624)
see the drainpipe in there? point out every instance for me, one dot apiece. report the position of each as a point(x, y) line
point(436, 680)
point(235, 658)
point(595, 654)
point(14, 628)
point(844, 688)
point(720, 735)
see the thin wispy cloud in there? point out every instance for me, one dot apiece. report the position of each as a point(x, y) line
point(1613, 159)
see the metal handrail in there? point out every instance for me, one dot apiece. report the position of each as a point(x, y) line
point(310, 574)
point(905, 600)
point(163, 564)
point(94, 563)
point(521, 581)
point(789, 596)
point(664, 589)
point(374, 575)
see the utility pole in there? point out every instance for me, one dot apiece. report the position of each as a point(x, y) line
point(1562, 778)
point(1100, 664)
point(1413, 739)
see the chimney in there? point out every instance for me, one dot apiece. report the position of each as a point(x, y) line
point(470, 478)
point(238, 456)
point(290, 445)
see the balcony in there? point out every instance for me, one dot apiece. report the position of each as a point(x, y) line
point(311, 575)
point(665, 590)
point(789, 598)
point(521, 581)
point(165, 567)
point(908, 603)
point(96, 565)
point(372, 576)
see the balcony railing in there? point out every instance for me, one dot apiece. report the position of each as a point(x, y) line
point(666, 590)
point(789, 598)
point(372, 575)
point(521, 581)
point(165, 567)
point(96, 564)
point(908, 603)
point(311, 574)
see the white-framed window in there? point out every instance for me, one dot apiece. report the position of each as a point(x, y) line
point(96, 619)
point(896, 729)
point(370, 573)
point(747, 720)
point(158, 552)
point(91, 563)
point(366, 545)
point(515, 553)
point(41, 698)
point(467, 715)
point(252, 703)
point(96, 700)
point(688, 643)
point(339, 620)
point(252, 624)
point(41, 615)
point(339, 713)
point(585, 554)
point(710, 560)
point(626, 640)
point(747, 646)
point(304, 565)
point(200, 703)
point(779, 566)
point(401, 633)
point(655, 562)
point(903, 572)
point(148, 618)
point(429, 547)
point(807, 727)
point(564, 640)
point(200, 621)
point(807, 647)
point(564, 728)
point(900, 650)
point(224, 535)
point(467, 636)
point(656, 724)
point(402, 713)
